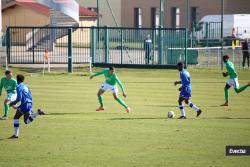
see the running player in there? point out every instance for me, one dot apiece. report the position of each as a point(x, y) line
point(185, 91)
point(111, 83)
point(233, 81)
point(25, 108)
point(9, 84)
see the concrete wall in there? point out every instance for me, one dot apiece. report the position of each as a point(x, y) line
point(21, 16)
point(106, 17)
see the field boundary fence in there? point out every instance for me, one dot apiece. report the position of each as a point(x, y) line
point(110, 45)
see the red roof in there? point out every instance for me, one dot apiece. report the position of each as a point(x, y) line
point(86, 12)
point(35, 6)
point(46, 11)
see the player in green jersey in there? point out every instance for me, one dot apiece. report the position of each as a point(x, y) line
point(233, 81)
point(9, 85)
point(111, 83)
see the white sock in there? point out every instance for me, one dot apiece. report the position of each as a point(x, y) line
point(183, 113)
point(34, 115)
point(16, 127)
point(190, 104)
point(31, 117)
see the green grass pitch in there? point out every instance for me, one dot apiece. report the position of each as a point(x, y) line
point(74, 134)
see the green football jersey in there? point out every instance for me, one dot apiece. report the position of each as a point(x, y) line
point(111, 79)
point(9, 85)
point(231, 70)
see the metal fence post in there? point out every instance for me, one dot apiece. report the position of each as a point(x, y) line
point(153, 54)
point(70, 67)
point(106, 45)
point(186, 52)
point(33, 46)
point(122, 46)
point(160, 47)
point(193, 30)
point(93, 44)
point(222, 31)
point(8, 43)
point(206, 34)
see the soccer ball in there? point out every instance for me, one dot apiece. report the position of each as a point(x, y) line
point(171, 114)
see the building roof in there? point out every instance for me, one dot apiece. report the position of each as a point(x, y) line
point(35, 6)
point(83, 12)
point(86, 12)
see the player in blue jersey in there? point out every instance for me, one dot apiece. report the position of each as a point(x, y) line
point(25, 108)
point(185, 91)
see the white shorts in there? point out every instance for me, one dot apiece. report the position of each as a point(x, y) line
point(233, 82)
point(105, 86)
point(11, 97)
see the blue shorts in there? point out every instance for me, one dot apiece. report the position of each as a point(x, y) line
point(25, 108)
point(185, 93)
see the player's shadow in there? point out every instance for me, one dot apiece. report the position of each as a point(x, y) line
point(139, 118)
point(165, 106)
point(226, 118)
point(63, 113)
point(9, 139)
point(150, 82)
point(161, 105)
point(79, 113)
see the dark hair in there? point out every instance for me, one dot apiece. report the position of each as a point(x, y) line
point(180, 64)
point(20, 78)
point(111, 68)
point(7, 72)
point(225, 57)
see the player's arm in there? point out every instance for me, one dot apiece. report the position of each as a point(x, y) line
point(177, 82)
point(225, 74)
point(96, 74)
point(18, 98)
point(1, 87)
point(121, 86)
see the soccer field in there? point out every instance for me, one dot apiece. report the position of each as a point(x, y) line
point(74, 134)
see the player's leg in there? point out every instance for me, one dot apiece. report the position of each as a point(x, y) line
point(6, 106)
point(239, 88)
point(100, 98)
point(16, 124)
point(193, 106)
point(120, 101)
point(6, 109)
point(31, 116)
point(181, 106)
point(226, 94)
point(9, 98)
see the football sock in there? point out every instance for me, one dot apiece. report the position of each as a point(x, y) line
point(240, 89)
point(6, 109)
point(183, 113)
point(120, 101)
point(226, 94)
point(16, 127)
point(31, 117)
point(190, 104)
point(100, 100)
